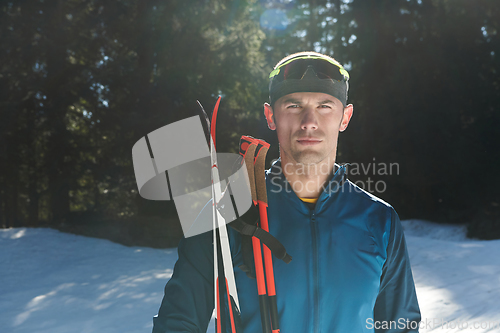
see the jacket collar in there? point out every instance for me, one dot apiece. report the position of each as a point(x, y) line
point(331, 189)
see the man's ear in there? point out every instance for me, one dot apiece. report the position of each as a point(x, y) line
point(346, 117)
point(268, 111)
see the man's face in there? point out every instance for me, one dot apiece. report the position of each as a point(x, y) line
point(308, 125)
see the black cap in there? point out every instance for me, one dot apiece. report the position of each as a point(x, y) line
point(309, 82)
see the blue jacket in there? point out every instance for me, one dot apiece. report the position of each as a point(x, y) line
point(350, 270)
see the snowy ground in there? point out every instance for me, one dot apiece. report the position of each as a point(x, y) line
point(457, 279)
point(62, 283)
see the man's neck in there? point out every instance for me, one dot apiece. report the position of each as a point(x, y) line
point(308, 180)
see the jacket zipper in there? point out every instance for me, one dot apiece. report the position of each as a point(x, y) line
point(315, 274)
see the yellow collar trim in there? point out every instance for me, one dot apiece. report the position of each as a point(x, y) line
point(309, 200)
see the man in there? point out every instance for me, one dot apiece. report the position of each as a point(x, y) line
point(350, 270)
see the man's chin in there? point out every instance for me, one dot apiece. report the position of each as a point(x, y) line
point(309, 157)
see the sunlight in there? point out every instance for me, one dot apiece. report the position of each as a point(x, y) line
point(275, 19)
point(166, 275)
point(37, 300)
point(37, 303)
point(19, 234)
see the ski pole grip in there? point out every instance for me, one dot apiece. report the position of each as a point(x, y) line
point(247, 150)
point(260, 171)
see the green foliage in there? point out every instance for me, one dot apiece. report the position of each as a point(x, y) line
point(82, 81)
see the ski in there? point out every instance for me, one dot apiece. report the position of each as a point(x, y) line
point(253, 152)
point(219, 228)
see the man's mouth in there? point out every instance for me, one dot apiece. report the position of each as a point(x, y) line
point(308, 141)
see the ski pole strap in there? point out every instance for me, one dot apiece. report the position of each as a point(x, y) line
point(265, 237)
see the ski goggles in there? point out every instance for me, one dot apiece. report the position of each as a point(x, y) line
point(295, 68)
point(309, 73)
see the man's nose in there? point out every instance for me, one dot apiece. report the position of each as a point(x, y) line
point(309, 120)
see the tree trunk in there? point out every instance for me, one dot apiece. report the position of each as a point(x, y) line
point(11, 202)
point(57, 103)
point(2, 210)
point(34, 199)
point(312, 32)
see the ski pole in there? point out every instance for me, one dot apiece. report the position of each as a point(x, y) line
point(248, 146)
point(260, 181)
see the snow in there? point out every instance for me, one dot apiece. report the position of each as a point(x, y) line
point(63, 283)
point(457, 279)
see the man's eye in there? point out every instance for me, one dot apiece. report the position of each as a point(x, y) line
point(292, 106)
point(325, 106)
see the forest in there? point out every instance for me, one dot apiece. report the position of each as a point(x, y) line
point(82, 80)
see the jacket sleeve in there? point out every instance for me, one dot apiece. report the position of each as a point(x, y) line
point(396, 302)
point(188, 302)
